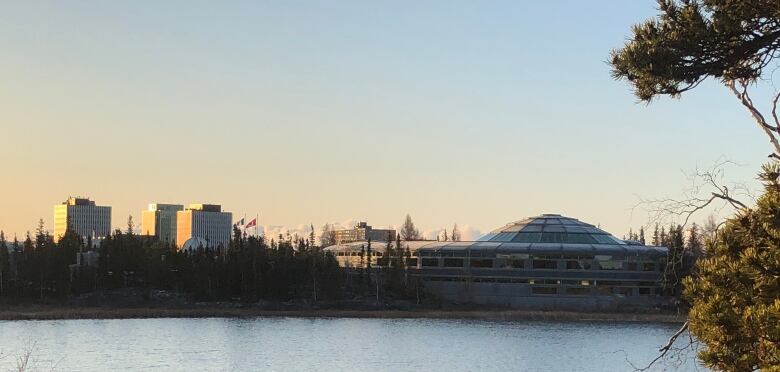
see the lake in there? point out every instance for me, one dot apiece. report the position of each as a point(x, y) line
point(340, 344)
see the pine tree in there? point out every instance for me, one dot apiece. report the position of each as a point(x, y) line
point(455, 233)
point(5, 263)
point(656, 236)
point(642, 235)
point(694, 240)
point(663, 239)
point(40, 235)
point(735, 309)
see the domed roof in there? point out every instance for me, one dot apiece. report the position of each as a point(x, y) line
point(551, 228)
point(195, 243)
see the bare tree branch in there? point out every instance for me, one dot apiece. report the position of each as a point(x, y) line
point(744, 98)
point(666, 348)
point(707, 187)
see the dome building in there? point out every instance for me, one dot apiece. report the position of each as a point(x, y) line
point(543, 262)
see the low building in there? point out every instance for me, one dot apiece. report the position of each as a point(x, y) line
point(544, 262)
point(159, 220)
point(362, 232)
point(206, 221)
point(83, 217)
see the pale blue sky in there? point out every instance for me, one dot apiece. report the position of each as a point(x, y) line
point(472, 112)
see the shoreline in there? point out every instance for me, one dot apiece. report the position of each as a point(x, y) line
point(41, 312)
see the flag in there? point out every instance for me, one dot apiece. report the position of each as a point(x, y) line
point(252, 223)
point(239, 223)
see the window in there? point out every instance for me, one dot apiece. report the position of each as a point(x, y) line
point(545, 264)
point(552, 237)
point(631, 266)
point(430, 262)
point(544, 290)
point(580, 239)
point(484, 262)
point(577, 265)
point(625, 291)
point(605, 239)
point(578, 291)
point(605, 290)
point(503, 237)
point(509, 263)
point(611, 265)
point(648, 266)
point(645, 291)
point(526, 237)
point(453, 262)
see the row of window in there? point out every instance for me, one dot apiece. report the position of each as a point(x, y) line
point(543, 288)
point(555, 237)
point(539, 264)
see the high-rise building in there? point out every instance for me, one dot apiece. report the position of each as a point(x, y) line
point(159, 220)
point(362, 232)
point(83, 217)
point(205, 221)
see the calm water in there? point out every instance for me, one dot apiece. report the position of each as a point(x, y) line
point(295, 344)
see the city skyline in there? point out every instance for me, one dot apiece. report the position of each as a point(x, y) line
point(346, 111)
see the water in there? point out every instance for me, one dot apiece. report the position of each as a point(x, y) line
point(298, 344)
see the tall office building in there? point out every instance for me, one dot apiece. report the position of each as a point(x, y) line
point(82, 216)
point(205, 221)
point(159, 220)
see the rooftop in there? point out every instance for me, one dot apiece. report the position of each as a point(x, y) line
point(551, 228)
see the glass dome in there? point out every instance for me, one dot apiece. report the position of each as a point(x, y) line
point(551, 228)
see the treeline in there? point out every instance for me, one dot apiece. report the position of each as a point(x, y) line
point(248, 269)
point(685, 247)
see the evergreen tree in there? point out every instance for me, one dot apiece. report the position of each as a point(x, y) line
point(735, 297)
point(675, 267)
point(656, 236)
point(694, 240)
point(455, 233)
point(5, 263)
point(40, 235)
point(663, 239)
point(641, 235)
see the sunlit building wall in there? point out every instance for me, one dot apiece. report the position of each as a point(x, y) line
point(82, 216)
point(159, 220)
point(205, 221)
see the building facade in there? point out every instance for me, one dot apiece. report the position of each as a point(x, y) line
point(83, 217)
point(544, 262)
point(206, 221)
point(159, 220)
point(362, 232)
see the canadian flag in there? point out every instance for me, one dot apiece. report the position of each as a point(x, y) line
point(252, 223)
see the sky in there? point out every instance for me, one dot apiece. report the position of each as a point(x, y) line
point(307, 112)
